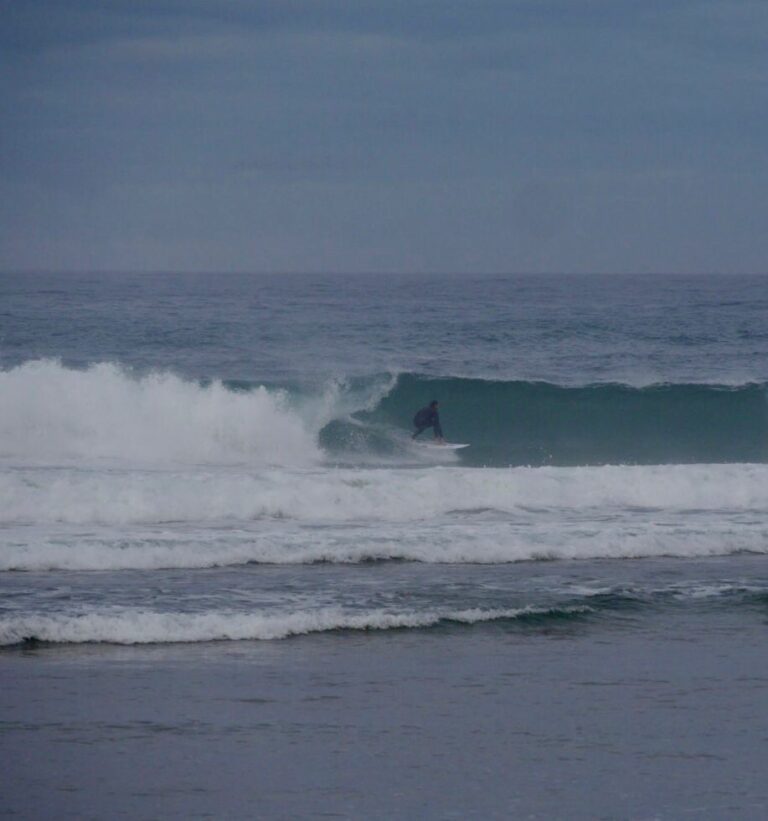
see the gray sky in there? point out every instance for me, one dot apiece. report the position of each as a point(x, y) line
point(395, 135)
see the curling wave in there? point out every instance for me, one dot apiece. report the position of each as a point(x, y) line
point(537, 423)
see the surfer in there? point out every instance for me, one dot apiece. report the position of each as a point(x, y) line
point(428, 418)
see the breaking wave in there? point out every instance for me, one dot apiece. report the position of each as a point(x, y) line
point(52, 414)
point(129, 626)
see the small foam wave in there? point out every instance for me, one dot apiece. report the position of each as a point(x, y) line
point(129, 626)
point(501, 542)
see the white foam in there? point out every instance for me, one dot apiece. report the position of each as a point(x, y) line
point(129, 626)
point(80, 496)
point(440, 542)
point(51, 413)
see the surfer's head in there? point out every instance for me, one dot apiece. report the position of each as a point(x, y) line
point(433, 404)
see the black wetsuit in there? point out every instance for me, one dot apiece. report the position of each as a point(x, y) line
point(427, 418)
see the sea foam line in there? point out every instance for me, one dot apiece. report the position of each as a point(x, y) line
point(500, 542)
point(127, 626)
point(119, 497)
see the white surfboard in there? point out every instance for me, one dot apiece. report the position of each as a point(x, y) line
point(443, 446)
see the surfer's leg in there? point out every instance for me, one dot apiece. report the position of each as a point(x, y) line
point(418, 431)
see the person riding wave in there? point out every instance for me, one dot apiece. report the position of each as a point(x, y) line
point(428, 417)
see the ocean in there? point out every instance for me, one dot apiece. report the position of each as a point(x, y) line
point(232, 585)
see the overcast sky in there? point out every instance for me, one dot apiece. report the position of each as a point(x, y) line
point(384, 135)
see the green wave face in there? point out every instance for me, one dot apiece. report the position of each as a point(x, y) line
point(537, 423)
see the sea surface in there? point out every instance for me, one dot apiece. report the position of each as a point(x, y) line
point(232, 586)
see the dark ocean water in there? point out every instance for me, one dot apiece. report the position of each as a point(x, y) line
point(194, 469)
point(564, 330)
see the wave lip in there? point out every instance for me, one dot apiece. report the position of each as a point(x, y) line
point(127, 626)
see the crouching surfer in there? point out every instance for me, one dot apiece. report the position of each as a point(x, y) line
point(429, 418)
